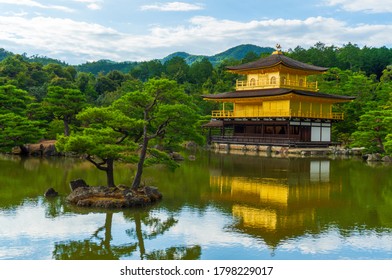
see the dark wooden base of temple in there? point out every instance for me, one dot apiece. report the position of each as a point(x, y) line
point(287, 133)
point(268, 141)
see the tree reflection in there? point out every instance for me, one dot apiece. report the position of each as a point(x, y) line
point(176, 253)
point(54, 207)
point(146, 227)
point(97, 247)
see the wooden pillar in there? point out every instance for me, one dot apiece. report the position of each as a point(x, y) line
point(311, 109)
point(321, 110)
point(288, 129)
point(300, 109)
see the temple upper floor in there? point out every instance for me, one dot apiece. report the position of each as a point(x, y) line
point(276, 71)
point(276, 80)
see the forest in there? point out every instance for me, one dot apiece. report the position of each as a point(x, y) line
point(48, 99)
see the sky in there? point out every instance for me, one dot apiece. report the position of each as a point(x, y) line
point(78, 31)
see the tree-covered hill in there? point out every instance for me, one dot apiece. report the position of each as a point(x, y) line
point(189, 58)
point(370, 60)
point(44, 60)
point(105, 66)
point(239, 52)
point(4, 54)
point(235, 53)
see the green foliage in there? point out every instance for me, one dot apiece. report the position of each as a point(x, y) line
point(103, 138)
point(4, 54)
point(17, 130)
point(238, 53)
point(109, 117)
point(199, 72)
point(249, 57)
point(147, 70)
point(177, 69)
point(108, 98)
point(159, 157)
point(372, 130)
point(64, 104)
point(168, 108)
point(181, 122)
point(99, 142)
point(103, 134)
point(388, 144)
point(105, 66)
point(387, 74)
point(104, 84)
point(235, 53)
point(54, 128)
point(57, 71)
point(85, 82)
point(13, 66)
point(13, 100)
point(44, 60)
point(348, 57)
point(168, 116)
point(370, 94)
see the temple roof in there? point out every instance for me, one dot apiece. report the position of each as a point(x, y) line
point(274, 60)
point(273, 92)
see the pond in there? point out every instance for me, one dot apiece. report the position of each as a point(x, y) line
point(215, 207)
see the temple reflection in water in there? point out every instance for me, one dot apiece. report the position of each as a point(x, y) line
point(274, 198)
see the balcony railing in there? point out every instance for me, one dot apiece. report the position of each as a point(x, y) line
point(223, 114)
point(293, 141)
point(263, 84)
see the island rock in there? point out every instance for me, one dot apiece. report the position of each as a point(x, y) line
point(78, 183)
point(51, 193)
point(113, 197)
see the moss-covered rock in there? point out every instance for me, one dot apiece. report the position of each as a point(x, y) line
point(118, 197)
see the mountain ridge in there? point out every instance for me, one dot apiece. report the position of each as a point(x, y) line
point(237, 52)
point(105, 65)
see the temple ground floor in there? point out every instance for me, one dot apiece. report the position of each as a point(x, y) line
point(271, 132)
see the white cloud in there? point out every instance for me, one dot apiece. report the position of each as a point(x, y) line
point(35, 4)
point(77, 41)
point(92, 4)
point(369, 6)
point(16, 14)
point(173, 7)
point(29, 3)
point(332, 241)
point(30, 221)
point(289, 33)
point(56, 36)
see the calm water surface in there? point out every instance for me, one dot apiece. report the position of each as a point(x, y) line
point(218, 207)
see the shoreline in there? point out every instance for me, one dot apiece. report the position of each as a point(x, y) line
point(46, 148)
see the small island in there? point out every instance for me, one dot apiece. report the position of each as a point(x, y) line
point(122, 196)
